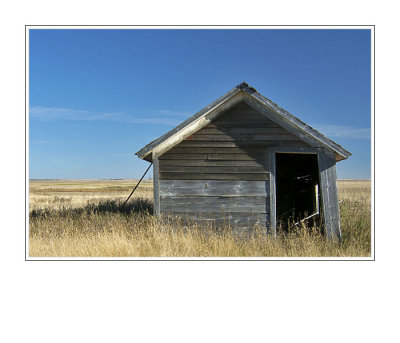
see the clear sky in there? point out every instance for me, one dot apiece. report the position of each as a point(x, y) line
point(98, 96)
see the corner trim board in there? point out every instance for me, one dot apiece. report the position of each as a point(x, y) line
point(272, 186)
point(330, 205)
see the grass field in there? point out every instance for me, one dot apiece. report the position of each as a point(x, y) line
point(85, 218)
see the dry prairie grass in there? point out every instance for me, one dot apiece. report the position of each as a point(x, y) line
point(57, 194)
point(89, 220)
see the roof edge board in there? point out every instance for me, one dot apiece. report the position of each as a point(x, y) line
point(196, 125)
point(296, 123)
point(224, 98)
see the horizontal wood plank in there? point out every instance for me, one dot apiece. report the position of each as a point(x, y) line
point(206, 205)
point(222, 157)
point(214, 176)
point(243, 137)
point(242, 131)
point(241, 144)
point(216, 150)
point(232, 220)
point(221, 124)
point(180, 188)
point(234, 115)
point(239, 110)
point(215, 163)
point(237, 157)
point(212, 169)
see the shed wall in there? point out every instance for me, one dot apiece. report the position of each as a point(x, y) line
point(221, 173)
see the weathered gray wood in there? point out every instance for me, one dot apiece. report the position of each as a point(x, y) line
point(257, 102)
point(295, 150)
point(156, 184)
point(221, 157)
point(256, 205)
point(233, 220)
point(223, 103)
point(292, 124)
point(179, 188)
point(171, 156)
point(242, 117)
point(214, 163)
point(221, 124)
point(272, 193)
point(241, 144)
point(215, 150)
point(327, 168)
point(221, 215)
point(210, 176)
point(209, 169)
point(282, 122)
point(187, 130)
point(238, 114)
point(243, 137)
point(228, 142)
point(241, 110)
point(244, 130)
point(237, 157)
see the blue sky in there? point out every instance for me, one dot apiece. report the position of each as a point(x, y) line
point(98, 96)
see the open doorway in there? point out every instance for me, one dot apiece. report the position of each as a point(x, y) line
point(297, 188)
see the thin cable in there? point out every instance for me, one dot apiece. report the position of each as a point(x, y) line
point(137, 184)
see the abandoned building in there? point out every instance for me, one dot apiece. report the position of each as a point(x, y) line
point(243, 160)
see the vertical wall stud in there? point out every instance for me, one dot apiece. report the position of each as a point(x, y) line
point(272, 185)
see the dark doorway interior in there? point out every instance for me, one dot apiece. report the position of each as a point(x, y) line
point(297, 188)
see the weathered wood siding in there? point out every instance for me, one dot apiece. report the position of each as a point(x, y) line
point(327, 168)
point(221, 173)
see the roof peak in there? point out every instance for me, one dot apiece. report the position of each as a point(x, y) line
point(245, 86)
point(242, 85)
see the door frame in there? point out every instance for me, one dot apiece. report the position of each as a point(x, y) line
point(272, 151)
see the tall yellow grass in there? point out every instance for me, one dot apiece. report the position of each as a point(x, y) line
point(86, 219)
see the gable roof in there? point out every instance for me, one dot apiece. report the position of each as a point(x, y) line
point(241, 93)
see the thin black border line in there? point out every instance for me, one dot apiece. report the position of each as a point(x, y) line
point(197, 260)
point(27, 27)
point(374, 148)
point(202, 25)
point(25, 144)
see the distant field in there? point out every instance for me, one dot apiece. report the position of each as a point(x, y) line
point(85, 218)
point(55, 194)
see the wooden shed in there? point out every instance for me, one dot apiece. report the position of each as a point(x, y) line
point(243, 160)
